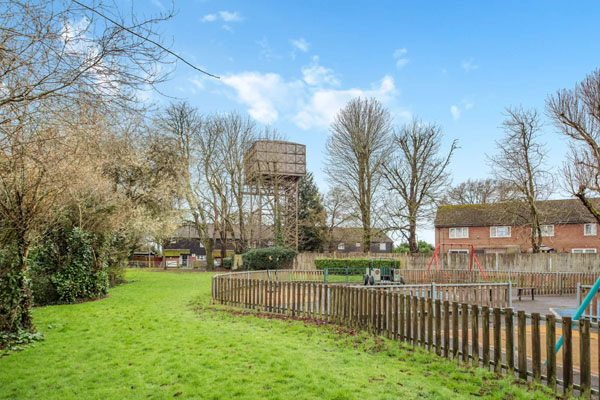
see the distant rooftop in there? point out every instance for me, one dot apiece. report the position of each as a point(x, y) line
point(552, 212)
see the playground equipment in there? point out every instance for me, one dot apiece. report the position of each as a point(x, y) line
point(581, 309)
point(382, 270)
point(470, 249)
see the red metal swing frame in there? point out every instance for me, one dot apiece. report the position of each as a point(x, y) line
point(473, 257)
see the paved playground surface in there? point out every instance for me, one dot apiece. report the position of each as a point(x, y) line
point(557, 305)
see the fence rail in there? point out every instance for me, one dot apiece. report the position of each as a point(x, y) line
point(479, 335)
point(592, 311)
point(545, 283)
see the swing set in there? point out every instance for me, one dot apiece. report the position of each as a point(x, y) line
point(469, 248)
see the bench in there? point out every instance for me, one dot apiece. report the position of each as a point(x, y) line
point(523, 290)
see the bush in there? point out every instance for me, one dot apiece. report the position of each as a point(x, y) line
point(322, 263)
point(277, 257)
point(15, 294)
point(64, 268)
point(227, 262)
point(115, 251)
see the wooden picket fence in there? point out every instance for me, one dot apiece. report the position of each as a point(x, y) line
point(545, 283)
point(471, 333)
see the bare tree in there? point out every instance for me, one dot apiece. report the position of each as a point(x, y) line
point(521, 164)
point(339, 212)
point(184, 124)
point(60, 50)
point(479, 191)
point(238, 135)
point(66, 70)
point(575, 115)
point(357, 149)
point(416, 176)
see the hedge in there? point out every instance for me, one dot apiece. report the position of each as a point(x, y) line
point(322, 263)
point(227, 262)
point(277, 257)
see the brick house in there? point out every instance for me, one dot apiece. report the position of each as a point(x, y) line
point(349, 240)
point(567, 226)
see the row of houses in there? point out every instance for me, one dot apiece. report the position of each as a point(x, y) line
point(566, 225)
point(185, 248)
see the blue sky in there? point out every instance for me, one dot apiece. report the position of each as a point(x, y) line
point(291, 65)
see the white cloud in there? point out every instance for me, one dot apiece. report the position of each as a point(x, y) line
point(225, 16)
point(469, 65)
point(301, 44)
point(262, 93)
point(228, 16)
point(324, 104)
point(317, 75)
point(197, 82)
point(209, 18)
point(310, 102)
point(158, 4)
point(399, 55)
point(455, 111)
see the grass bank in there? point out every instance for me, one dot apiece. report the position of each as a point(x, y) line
point(158, 337)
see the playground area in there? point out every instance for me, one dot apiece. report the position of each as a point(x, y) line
point(539, 326)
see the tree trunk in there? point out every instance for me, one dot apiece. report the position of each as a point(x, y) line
point(412, 236)
point(210, 260)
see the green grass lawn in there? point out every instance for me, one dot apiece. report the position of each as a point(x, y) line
point(158, 337)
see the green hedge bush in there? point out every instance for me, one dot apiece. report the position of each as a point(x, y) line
point(277, 257)
point(322, 263)
point(64, 268)
point(227, 262)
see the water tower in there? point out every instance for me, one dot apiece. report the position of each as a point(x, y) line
point(272, 170)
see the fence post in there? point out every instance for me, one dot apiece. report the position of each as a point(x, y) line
point(509, 292)
point(522, 345)
point(585, 365)
point(567, 357)
point(551, 350)
point(485, 325)
point(578, 294)
point(497, 341)
point(536, 353)
point(446, 329)
point(559, 282)
point(454, 330)
point(510, 340)
point(430, 324)
point(465, 332)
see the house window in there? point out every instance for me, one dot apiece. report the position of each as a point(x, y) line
point(357, 244)
point(583, 251)
point(459, 233)
point(589, 229)
point(382, 246)
point(499, 231)
point(459, 251)
point(270, 243)
point(341, 246)
point(547, 230)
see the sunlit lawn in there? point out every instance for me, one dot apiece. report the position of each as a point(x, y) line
point(158, 337)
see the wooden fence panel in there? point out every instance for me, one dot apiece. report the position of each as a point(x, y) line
point(418, 315)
